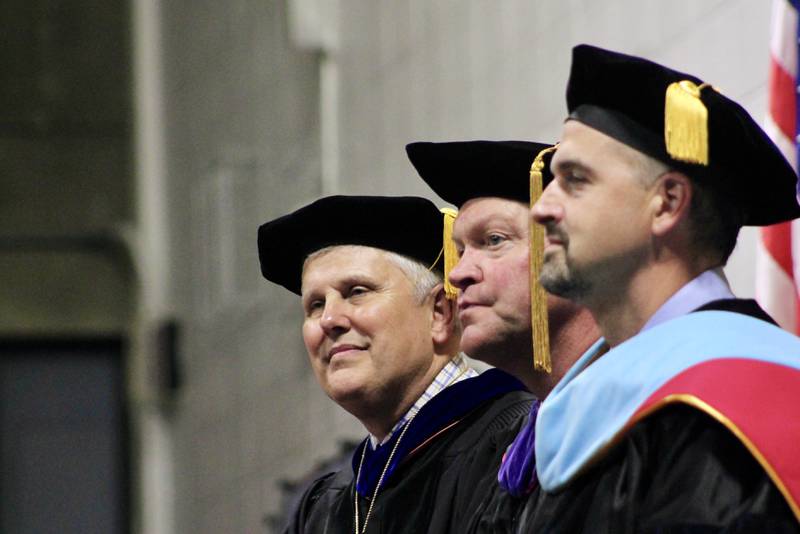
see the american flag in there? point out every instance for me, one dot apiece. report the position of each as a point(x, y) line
point(778, 264)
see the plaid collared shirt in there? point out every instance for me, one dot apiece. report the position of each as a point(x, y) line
point(454, 371)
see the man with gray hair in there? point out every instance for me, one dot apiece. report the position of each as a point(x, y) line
point(382, 337)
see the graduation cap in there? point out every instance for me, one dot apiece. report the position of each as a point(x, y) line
point(687, 124)
point(410, 226)
point(460, 171)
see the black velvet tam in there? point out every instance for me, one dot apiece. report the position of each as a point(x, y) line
point(411, 226)
point(462, 170)
point(624, 97)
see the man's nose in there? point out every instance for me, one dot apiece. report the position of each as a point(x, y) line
point(547, 209)
point(335, 319)
point(466, 272)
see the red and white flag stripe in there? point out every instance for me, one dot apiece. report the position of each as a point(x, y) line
point(778, 264)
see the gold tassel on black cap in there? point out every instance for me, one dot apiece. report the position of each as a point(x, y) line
point(686, 123)
point(449, 251)
point(539, 323)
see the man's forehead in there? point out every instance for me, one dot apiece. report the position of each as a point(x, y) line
point(580, 142)
point(481, 210)
point(343, 253)
point(347, 259)
point(576, 133)
point(487, 205)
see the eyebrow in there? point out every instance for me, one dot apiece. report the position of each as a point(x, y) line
point(495, 217)
point(357, 278)
point(570, 164)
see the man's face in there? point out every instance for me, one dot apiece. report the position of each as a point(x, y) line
point(491, 235)
point(367, 335)
point(595, 213)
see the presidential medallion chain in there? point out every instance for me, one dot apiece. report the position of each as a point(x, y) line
point(385, 467)
point(380, 480)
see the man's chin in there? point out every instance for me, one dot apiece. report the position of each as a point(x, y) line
point(557, 280)
point(564, 288)
point(478, 344)
point(344, 384)
point(348, 397)
point(502, 347)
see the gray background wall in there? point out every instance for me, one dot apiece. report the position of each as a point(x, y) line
point(156, 135)
point(243, 132)
point(65, 168)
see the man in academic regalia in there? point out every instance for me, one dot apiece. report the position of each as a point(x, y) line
point(382, 336)
point(490, 182)
point(685, 417)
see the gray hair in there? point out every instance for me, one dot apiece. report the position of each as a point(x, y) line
point(422, 279)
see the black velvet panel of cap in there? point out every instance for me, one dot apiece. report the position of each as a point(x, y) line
point(623, 96)
point(462, 170)
point(411, 226)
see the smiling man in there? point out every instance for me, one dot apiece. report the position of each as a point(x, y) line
point(684, 418)
point(490, 183)
point(382, 338)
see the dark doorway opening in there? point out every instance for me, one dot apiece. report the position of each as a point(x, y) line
point(64, 453)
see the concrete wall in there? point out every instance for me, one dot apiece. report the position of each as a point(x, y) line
point(65, 169)
point(243, 106)
point(448, 70)
point(243, 146)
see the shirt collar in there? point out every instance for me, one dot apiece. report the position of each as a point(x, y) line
point(454, 371)
point(707, 287)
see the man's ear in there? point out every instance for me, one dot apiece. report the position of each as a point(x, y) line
point(444, 319)
point(671, 200)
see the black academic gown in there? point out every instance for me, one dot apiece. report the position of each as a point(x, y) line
point(676, 471)
point(453, 451)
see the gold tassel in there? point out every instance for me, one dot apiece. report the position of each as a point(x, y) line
point(449, 250)
point(539, 323)
point(686, 123)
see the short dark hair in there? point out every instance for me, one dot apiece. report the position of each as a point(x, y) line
point(715, 215)
point(716, 218)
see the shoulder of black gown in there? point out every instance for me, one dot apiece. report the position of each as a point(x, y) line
point(472, 460)
point(491, 424)
point(678, 470)
point(494, 510)
point(743, 306)
point(702, 474)
point(318, 502)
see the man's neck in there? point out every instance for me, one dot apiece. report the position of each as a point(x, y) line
point(380, 420)
point(570, 338)
point(513, 356)
point(572, 331)
point(622, 312)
